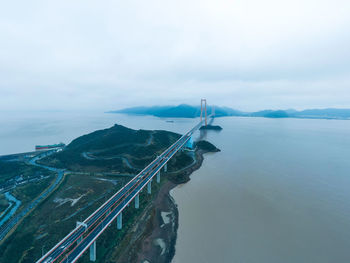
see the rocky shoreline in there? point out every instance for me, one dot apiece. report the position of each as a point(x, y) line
point(154, 234)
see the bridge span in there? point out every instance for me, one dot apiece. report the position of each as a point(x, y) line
point(84, 236)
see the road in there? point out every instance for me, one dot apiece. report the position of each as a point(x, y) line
point(67, 250)
point(6, 228)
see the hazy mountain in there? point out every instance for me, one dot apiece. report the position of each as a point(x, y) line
point(270, 114)
point(324, 114)
point(188, 111)
point(180, 111)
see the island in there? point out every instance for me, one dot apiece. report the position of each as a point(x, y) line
point(211, 127)
point(96, 166)
point(189, 111)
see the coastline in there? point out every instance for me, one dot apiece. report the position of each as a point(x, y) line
point(154, 233)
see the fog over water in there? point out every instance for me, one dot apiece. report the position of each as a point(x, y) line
point(277, 192)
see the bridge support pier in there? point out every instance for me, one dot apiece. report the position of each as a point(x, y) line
point(189, 144)
point(166, 167)
point(93, 252)
point(149, 187)
point(137, 201)
point(158, 177)
point(120, 221)
point(85, 226)
point(79, 240)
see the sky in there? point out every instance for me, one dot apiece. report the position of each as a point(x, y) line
point(105, 55)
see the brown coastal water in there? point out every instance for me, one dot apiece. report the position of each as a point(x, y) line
point(279, 191)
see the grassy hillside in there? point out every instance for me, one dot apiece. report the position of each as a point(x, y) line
point(114, 150)
point(80, 194)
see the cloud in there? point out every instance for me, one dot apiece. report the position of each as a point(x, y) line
point(109, 54)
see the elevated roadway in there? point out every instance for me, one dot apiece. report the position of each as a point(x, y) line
point(72, 246)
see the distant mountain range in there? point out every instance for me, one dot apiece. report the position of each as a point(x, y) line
point(188, 111)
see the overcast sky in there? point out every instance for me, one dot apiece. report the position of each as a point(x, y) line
point(104, 55)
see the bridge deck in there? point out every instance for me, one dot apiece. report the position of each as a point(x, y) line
point(67, 250)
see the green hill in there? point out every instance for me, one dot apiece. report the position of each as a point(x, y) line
point(117, 149)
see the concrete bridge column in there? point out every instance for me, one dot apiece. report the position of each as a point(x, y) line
point(85, 226)
point(93, 252)
point(149, 187)
point(120, 221)
point(189, 143)
point(166, 167)
point(79, 240)
point(158, 177)
point(137, 201)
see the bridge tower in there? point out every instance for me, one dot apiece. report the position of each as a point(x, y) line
point(213, 111)
point(204, 109)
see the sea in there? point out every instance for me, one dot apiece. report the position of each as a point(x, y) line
point(278, 192)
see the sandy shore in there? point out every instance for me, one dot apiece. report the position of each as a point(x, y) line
point(154, 235)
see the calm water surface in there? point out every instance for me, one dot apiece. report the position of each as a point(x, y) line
point(20, 132)
point(278, 192)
